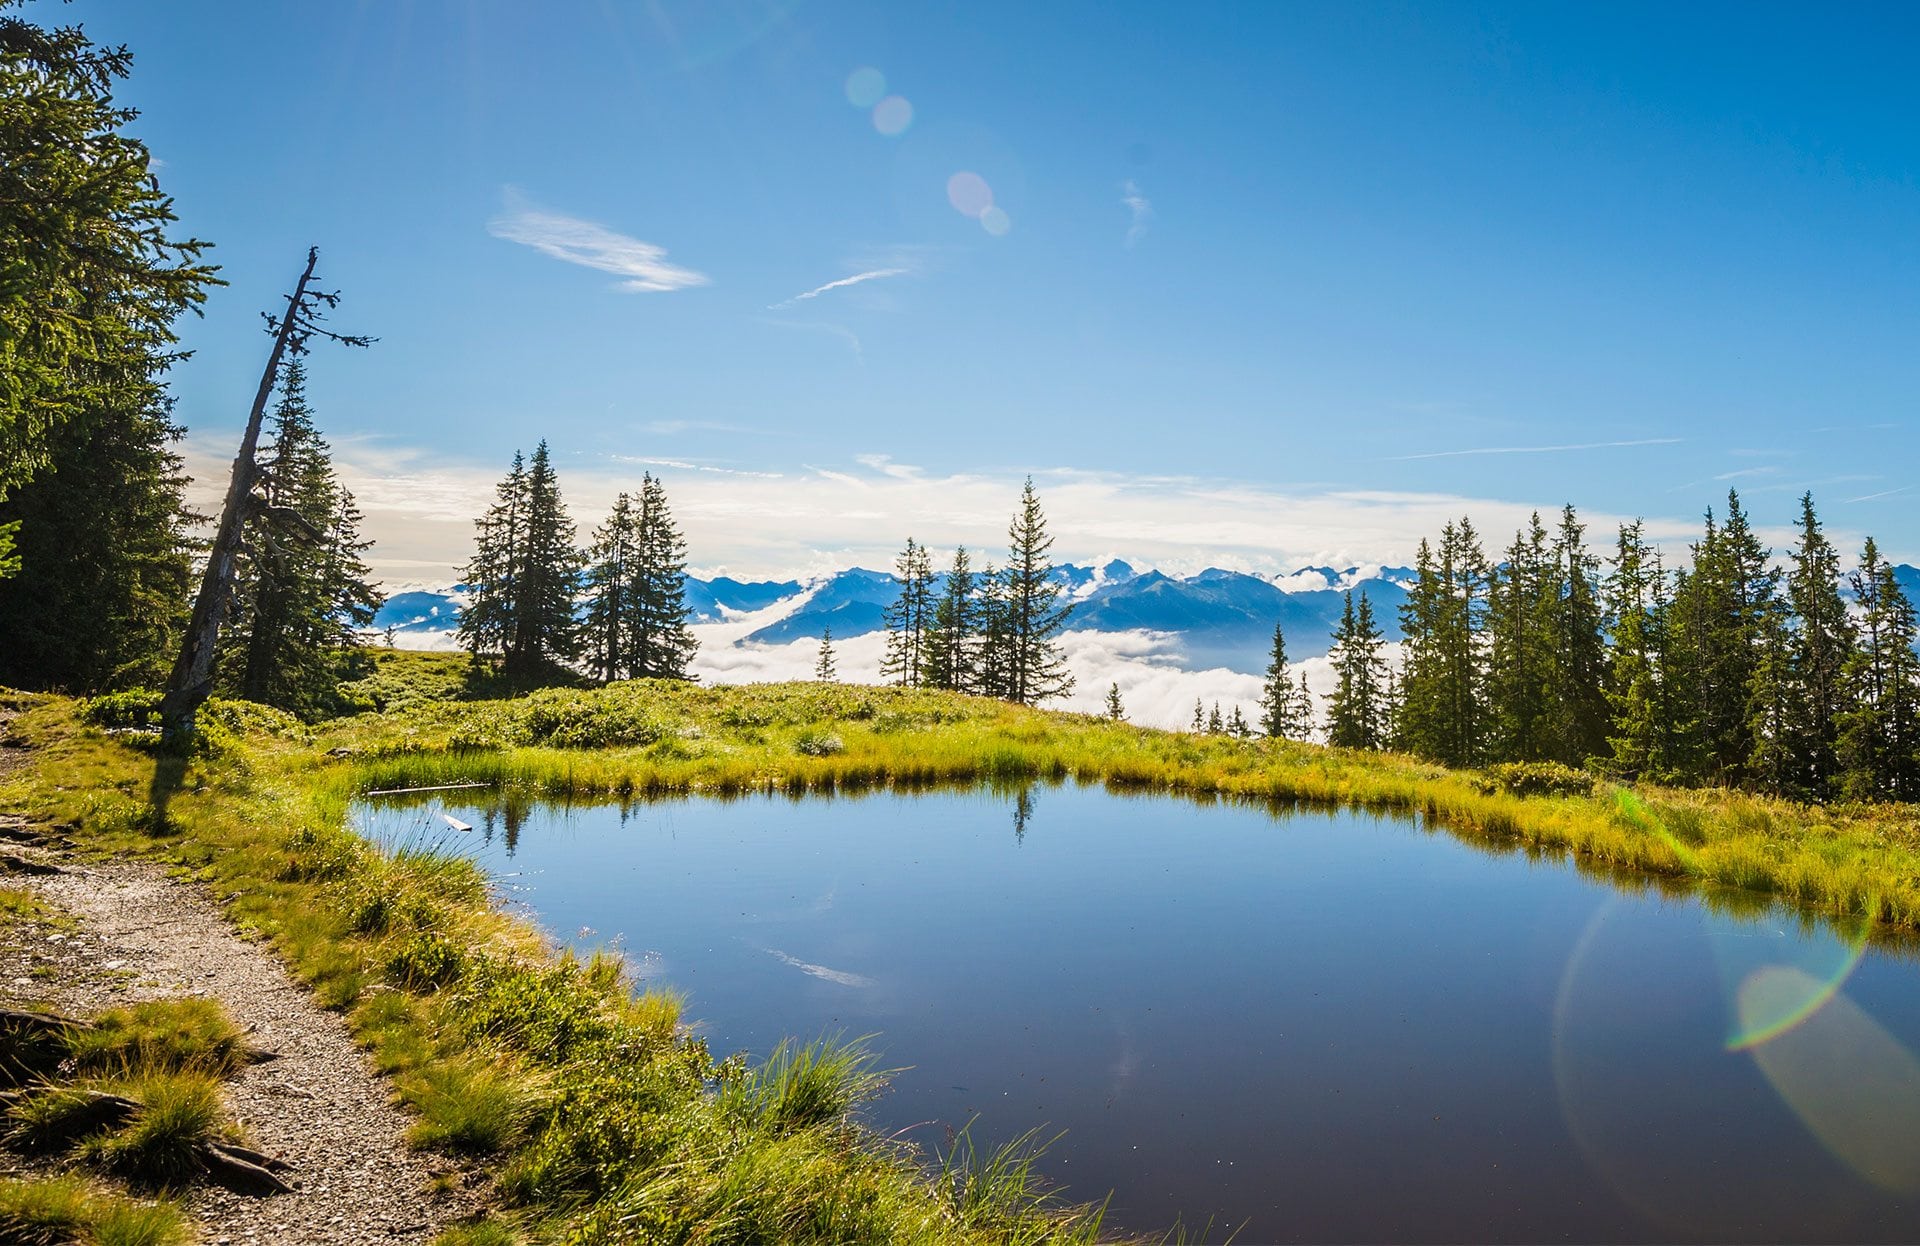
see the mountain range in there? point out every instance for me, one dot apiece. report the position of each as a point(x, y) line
point(1217, 618)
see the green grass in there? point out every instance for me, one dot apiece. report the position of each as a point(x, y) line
point(177, 1035)
point(601, 1118)
point(160, 1146)
point(56, 1211)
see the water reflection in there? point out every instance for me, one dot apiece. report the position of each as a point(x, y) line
point(1328, 1025)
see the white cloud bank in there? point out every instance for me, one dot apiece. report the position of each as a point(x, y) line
point(643, 265)
point(420, 506)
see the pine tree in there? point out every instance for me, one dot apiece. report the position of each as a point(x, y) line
point(661, 642)
point(1819, 647)
point(909, 620)
point(612, 578)
point(993, 651)
point(302, 592)
point(1640, 718)
point(1279, 706)
point(1879, 744)
point(1238, 726)
point(1199, 723)
point(1577, 710)
point(1354, 711)
point(1303, 708)
point(1442, 709)
point(491, 576)
point(1216, 725)
point(823, 668)
point(1520, 625)
point(1720, 612)
point(1036, 671)
point(1116, 712)
point(92, 283)
point(99, 596)
point(546, 633)
point(953, 645)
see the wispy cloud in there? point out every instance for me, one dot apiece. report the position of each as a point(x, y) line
point(1746, 472)
point(871, 275)
point(884, 464)
point(643, 265)
point(1585, 445)
point(1140, 206)
point(1884, 493)
point(668, 428)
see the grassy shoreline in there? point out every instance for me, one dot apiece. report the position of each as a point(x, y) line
point(604, 1122)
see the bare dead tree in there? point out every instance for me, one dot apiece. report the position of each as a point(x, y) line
point(192, 677)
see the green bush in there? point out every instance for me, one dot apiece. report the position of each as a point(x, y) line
point(1538, 778)
point(137, 708)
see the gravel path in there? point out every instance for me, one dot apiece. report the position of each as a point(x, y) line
point(138, 934)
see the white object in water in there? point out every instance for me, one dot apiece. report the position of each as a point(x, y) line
point(456, 823)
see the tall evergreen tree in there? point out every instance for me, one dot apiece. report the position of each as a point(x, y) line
point(1442, 711)
point(1115, 711)
point(92, 282)
point(492, 574)
point(953, 644)
point(100, 594)
point(1819, 645)
point(1355, 714)
point(909, 620)
point(523, 576)
point(1640, 719)
point(1720, 612)
point(303, 592)
point(1035, 669)
point(661, 643)
point(1879, 745)
point(1577, 710)
point(1520, 629)
point(612, 583)
point(993, 653)
point(1279, 706)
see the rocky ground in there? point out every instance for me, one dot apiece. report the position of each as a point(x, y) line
point(122, 931)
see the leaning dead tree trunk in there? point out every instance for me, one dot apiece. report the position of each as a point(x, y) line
point(192, 677)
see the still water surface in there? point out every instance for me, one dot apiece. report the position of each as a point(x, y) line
point(1321, 1026)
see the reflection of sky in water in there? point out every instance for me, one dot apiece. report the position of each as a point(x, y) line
point(1331, 1026)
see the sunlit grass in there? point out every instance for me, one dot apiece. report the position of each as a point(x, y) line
point(57, 1211)
point(601, 1119)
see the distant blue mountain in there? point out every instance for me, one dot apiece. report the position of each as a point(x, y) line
point(420, 611)
point(708, 599)
point(1226, 618)
point(851, 602)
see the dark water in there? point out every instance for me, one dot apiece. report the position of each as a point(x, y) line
point(1323, 1026)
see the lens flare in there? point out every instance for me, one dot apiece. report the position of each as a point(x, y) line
point(1775, 998)
point(1852, 1084)
point(969, 194)
point(1637, 813)
point(866, 86)
point(996, 222)
point(892, 115)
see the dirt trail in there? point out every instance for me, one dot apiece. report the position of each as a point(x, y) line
point(319, 1105)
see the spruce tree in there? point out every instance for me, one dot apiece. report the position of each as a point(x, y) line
point(490, 577)
point(993, 652)
point(1216, 725)
point(1640, 718)
point(100, 593)
point(1577, 710)
point(1036, 671)
point(546, 633)
point(302, 591)
point(953, 644)
point(1442, 696)
point(823, 667)
point(1355, 717)
point(1199, 723)
point(1819, 646)
point(909, 620)
point(1520, 626)
point(92, 282)
point(1279, 706)
point(1303, 708)
point(1237, 724)
point(612, 582)
point(1115, 711)
point(1879, 744)
point(661, 643)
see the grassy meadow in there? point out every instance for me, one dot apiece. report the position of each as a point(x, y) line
point(598, 1117)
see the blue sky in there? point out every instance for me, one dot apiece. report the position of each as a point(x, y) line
point(1257, 282)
